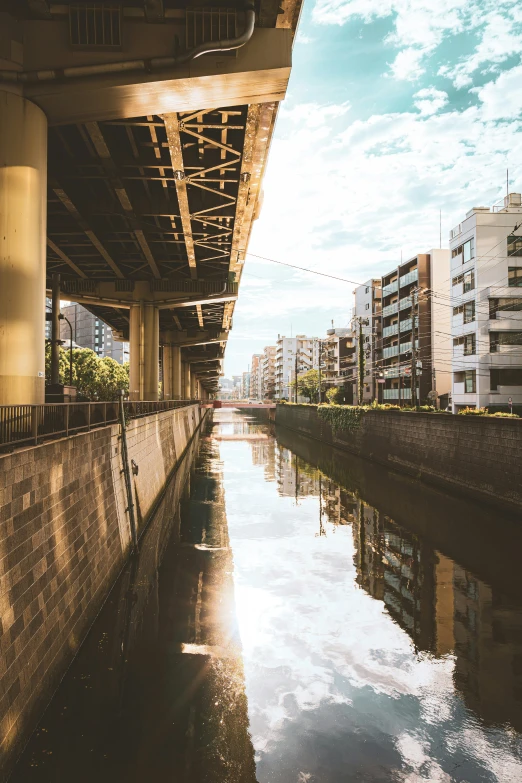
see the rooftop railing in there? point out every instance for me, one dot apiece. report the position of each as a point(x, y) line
point(31, 424)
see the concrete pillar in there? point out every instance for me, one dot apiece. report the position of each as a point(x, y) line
point(144, 351)
point(186, 381)
point(172, 372)
point(23, 219)
point(194, 387)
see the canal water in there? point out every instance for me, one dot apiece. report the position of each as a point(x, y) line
point(297, 615)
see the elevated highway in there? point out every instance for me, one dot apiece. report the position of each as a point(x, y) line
point(133, 141)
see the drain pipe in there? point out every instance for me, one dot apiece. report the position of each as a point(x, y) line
point(148, 65)
point(126, 474)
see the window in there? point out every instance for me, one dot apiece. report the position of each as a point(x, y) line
point(367, 306)
point(470, 381)
point(514, 245)
point(469, 312)
point(503, 338)
point(467, 250)
point(515, 276)
point(496, 306)
point(367, 290)
point(469, 281)
point(469, 343)
point(457, 280)
point(505, 377)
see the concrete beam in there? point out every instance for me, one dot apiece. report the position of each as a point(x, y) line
point(105, 293)
point(259, 74)
point(176, 156)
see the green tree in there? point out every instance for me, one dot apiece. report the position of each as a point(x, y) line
point(308, 384)
point(334, 395)
point(94, 378)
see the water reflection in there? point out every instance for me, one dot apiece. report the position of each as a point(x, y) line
point(375, 654)
point(157, 691)
point(297, 615)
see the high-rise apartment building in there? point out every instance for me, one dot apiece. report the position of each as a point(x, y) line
point(256, 378)
point(486, 307)
point(245, 385)
point(337, 356)
point(89, 332)
point(415, 329)
point(268, 369)
point(366, 327)
point(300, 351)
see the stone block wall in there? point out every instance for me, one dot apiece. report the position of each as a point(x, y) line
point(478, 456)
point(64, 537)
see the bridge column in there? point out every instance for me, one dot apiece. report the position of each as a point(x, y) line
point(23, 218)
point(144, 351)
point(186, 381)
point(172, 372)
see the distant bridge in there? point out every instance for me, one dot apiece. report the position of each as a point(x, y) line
point(238, 404)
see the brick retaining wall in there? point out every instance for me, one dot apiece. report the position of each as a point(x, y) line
point(64, 537)
point(478, 456)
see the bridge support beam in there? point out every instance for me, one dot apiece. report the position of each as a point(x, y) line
point(172, 372)
point(144, 352)
point(23, 218)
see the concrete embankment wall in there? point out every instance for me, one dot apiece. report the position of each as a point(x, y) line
point(64, 537)
point(474, 455)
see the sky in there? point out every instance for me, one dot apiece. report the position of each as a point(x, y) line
point(396, 110)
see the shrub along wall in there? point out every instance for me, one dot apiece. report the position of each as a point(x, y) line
point(477, 455)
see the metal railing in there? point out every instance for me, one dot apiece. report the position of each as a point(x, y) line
point(31, 424)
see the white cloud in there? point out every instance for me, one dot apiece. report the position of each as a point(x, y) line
point(408, 64)
point(302, 38)
point(502, 99)
point(420, 26)
point(314, 115)
point(430, 101)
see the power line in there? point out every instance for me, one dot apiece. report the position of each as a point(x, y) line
point(312, 271)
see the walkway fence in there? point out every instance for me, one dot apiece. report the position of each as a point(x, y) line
point(31, 424)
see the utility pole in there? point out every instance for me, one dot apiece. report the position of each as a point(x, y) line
point(413, 349)
point(296, 349)
point(360, 359)
point(55, 330)
point(320, 344)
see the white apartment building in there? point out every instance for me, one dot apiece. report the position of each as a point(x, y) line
point(245, 385)
point(486, 307)
point(367, 307)
point(307, 349)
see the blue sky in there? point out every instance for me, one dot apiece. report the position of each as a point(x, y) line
point(396, 109)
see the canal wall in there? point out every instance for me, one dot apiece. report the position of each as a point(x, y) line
point(64, 537)
point(474, 455)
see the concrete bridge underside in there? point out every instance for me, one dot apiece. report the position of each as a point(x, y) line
point(135, 173)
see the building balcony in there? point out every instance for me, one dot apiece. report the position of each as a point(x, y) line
point(410, 277)
point(406, 326)
point(391, 288)
point(390, 330)
point(406, 302)
point(393, 394)
point(390, 309)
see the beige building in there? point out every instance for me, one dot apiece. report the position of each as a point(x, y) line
point(416, 321)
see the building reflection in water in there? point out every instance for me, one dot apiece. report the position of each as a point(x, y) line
point(157, 690)
point(444, 608)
